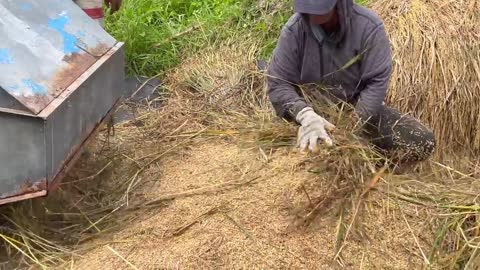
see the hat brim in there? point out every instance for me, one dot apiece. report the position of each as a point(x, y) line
point(314, 8)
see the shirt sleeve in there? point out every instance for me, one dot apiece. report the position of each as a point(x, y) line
point(376, 68)
point(284, 76)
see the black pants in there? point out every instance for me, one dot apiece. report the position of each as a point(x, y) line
point(401, 137)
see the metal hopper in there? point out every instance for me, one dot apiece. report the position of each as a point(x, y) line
point(60, 76)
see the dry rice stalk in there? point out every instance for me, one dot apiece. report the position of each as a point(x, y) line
point(182, 229)
point(436, 46)
point(211, 189)
point(438, 188)
point(245, 117)
point(219, 96)
point(121, 257)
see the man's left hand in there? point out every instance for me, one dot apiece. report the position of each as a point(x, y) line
point(114, 5)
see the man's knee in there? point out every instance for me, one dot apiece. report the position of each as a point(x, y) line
point(423, 146)
point(405, 136)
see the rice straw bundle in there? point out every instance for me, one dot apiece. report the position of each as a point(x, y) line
point(436, 50)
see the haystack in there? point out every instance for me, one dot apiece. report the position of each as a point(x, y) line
point(436, 46)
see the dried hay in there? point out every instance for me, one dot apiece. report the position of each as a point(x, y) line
point(436, 45)
point(238, 197)
point(211, 181)
point(348, 170)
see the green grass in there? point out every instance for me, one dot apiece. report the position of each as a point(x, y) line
point(151, 28)
point(159, 33)
point(362, 2)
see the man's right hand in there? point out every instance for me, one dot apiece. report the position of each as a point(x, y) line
point(313, 129)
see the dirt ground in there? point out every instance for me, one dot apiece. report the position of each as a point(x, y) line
point(249, 223)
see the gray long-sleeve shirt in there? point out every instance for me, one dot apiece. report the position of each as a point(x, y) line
point(300, 58)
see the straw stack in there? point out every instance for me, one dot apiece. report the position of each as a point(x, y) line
point(436, 46)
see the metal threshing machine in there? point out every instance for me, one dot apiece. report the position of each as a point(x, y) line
point(61, 75)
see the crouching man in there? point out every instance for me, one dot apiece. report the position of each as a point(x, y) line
point(344, 46)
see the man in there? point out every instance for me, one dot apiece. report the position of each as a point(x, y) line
point(94, 8)
point(344, 46)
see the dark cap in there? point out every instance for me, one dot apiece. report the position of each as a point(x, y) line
point(314, 7)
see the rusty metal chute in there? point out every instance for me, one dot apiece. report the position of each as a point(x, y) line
point(60, 76)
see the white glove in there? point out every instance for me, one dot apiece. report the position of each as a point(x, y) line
point(313, 128)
